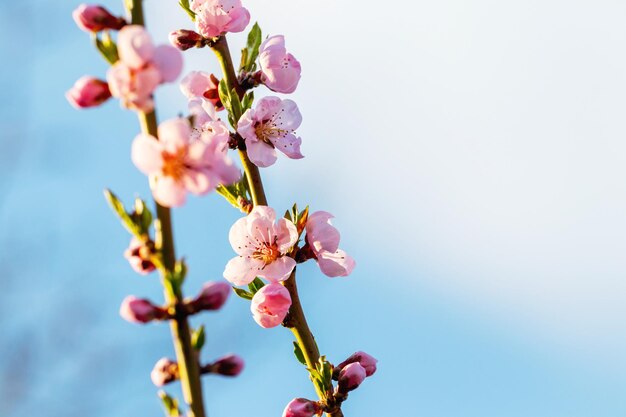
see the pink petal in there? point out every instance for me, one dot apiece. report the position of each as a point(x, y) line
point(239, 237)
point(287, 235)
point(146, 154)
point(169, 62)
point(174, 134)
point(199, 182)
point(279, 270)
point(289, 145)
point(242, 270)
point(261, 154)
point(134, 46)
point(195, 84)
point(337, 264)
point(168, 192)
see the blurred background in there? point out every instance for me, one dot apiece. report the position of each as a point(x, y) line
point(473, 153)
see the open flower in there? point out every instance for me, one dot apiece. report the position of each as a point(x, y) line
point(323, 239)
point(141, 68)
point(270, 126)
point(270, 305)
point(262, 247)
point(179, 163)
point(280, 71)
point(216, 17)
point(200, 84)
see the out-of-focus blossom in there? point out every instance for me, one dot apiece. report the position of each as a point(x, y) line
point(270, 305)
point(301, 407)
point(178, 163)
point(229, 365)
point(138, 255)
point(94, 18)
point(216, 17)
point(270, 126)
point(88, 92)
point(184, 39)
point(164, 372)
point(262, 247)
point(323, 239)
point(280, 71)
point(200, 84)
point(212, 297)
point(140, 310)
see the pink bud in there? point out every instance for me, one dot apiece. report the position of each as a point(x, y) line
point(139, 254)
point(140, 310)
point(351, 377)
point(184, 39)
point(164, 372)
point(212, 297)
point(366, 361)
point(270, 305)
point(93, 18)
point(229, 365)
point(301, 407)
point(88, 92)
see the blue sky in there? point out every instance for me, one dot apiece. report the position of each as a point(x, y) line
point(472, 153)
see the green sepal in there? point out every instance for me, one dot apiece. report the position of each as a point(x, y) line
point(256, 285)
point(243, 293)
point(185, 5)
point(142, 215)
point(107, 47)
point(179, 273)
point(297, 351)
point(250, 53)
point(198, 338)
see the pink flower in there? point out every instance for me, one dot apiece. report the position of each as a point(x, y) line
point(280, 71)
point(270, 305)
point(199, 84)
point(216, 17)
point(93, 18)
point(323, 239)
point(270, 126)
point(301, 407)
point(138, 255)
point(179, 162)
point(229, 365)
point(184, 39)
point(140, 310)
point(366, 361)
point(88, 92)
point(262, 247)
point(164, 372)
point(141, 68)
point(350, 377)
point(212, 297)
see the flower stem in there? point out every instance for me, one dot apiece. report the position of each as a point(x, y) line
point(295, 321)
point(181, 333)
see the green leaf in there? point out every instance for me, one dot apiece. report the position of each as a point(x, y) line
point(198, 338)
point(180, 272)
point(142, 216)
point(297, 351)
point(243, 293)
point(250, 53)
point(118, 208)
point(107, 47)
point(185, 5)
point(256, 285)
point(246, 104)
point(227, 194)
point(170, 404)
point(235, 105)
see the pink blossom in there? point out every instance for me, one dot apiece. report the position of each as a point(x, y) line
point(270, 305)
point(262, 247)
point(183, 39)
point(216, 17)
point(94, 18)
point(366, 361)
point(164, 372)
point(301, 407)
point(270, 126)
point(200, 84)
point(350, 377)
point(88, 92)
point(323, 239)
point(179, 163)
point(141, 68)
point(280, 71)
point(229, 365)
point(140, 310)
point(138, 255)
point(212, 296)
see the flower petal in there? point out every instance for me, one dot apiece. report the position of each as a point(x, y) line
point(242, 270)
point(337, 264)
point(169, 62)
point(261, 154)
point(168, 192)
point(279, 270)
point(146, 154)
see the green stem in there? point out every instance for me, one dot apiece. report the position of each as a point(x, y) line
point(296, 321)
point(181, 333)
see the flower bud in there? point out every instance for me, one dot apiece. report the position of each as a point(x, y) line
point(351, 377)
point(139, 254)
point(229, 365)
point(140, 310)
point(94, 18)
point(88, 92)
point(164, 372)
point(212, 297)
point(301, 407)
point(270, 305)
point(184, 39)
point(366, 361)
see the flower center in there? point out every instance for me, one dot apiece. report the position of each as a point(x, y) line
point(174, 163)
point(267, 253)
point(268, 130)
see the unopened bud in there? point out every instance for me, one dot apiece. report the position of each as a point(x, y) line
point(301, 407)
point(140, 310)
point(350, 377)
point(164, 372)
point(139, 256)
point(229, 365)
point(184, 39)
point(212, 297)
point(366, 361)
point(94, 18)
point(88, 92)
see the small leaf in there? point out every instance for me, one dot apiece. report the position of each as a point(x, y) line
point(297, 351)
point(198, 338)
point(185, 5)
point(247, 101)
point(235, 105)
point(107, 48)
point(180, 272)
point(256, 285)
point(243, 293)
point(118, 208)
point(170, 404)
point(251, 50)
